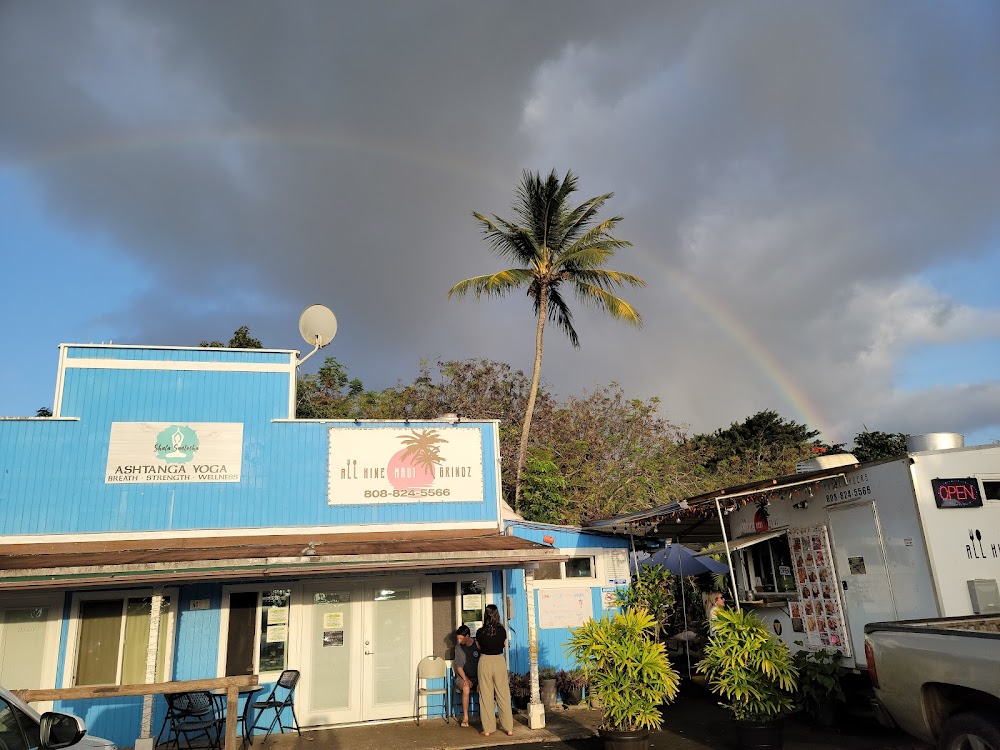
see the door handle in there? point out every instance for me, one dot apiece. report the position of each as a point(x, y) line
point(368, 653)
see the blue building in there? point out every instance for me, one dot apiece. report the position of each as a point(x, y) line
point(174, 486)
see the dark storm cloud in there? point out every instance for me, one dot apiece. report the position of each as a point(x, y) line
point(785, 170)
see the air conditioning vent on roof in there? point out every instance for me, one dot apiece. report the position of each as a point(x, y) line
point(825, 462)
point(934, 441)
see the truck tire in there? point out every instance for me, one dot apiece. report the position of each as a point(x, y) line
point(970, 732)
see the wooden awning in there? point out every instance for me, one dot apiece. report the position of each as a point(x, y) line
point(78, 564)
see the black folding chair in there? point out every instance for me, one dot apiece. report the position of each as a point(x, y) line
point(281, 697)
point(192, 715)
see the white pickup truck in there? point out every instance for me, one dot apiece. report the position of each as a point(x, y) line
point(938, 679)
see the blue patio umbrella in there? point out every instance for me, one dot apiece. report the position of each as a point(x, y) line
point(680, 561)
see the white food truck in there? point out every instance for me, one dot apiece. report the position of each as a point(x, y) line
point(821, 554)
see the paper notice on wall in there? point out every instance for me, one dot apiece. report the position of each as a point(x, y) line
point(564, 608)
point(277, 615)
point(333, 620)
point(333, 638)
point(608, 596)
point(616, 567)
point(472, 601)
point(277, 633)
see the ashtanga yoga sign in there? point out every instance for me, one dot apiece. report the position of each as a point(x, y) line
point(174, 452)
point(405, 465)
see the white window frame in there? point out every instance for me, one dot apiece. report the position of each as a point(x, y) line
point(597, 573)
point(294, 596)
point(73, 634)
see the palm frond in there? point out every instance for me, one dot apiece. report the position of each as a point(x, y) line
point(559, 313)
point(577, 220)
point(614, 306)
point(496, 284)
point(606, 278)
point(598, 234)
point(507, 240)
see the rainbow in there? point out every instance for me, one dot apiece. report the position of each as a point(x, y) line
point(809, 413)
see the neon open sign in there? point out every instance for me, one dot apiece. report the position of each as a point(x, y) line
point(957, 493)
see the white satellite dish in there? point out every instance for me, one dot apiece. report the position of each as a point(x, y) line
point(318, 326)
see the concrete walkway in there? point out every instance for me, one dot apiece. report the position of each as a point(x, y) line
point(694, 722)
point(436, 734)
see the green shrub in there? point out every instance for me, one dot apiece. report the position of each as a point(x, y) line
point(748, 668)
point(819, 678)
point(627, 668)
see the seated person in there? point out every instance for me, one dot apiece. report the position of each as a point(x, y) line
point(466, 665)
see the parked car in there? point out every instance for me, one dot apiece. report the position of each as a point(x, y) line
point(938, 679)
point(21, 728)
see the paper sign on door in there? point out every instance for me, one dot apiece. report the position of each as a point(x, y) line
point(333, 620)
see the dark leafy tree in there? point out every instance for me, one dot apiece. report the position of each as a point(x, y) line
point(555, 246)
point(874, 445)
point(44, 412)
point(764, 444)
point(241, 340)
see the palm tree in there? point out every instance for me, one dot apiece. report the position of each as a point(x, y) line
point(553, 244)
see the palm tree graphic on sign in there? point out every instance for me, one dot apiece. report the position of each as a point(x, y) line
point(413, 465)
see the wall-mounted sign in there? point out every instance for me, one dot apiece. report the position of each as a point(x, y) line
point(564, 608)
point(405, 465)
point(957, 493)
point(174, 452)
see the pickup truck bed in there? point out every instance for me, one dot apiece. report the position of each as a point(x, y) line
point(939, 679)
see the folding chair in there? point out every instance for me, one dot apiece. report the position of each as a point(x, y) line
point(432, 668)
point(274, 702)
point(191, 715)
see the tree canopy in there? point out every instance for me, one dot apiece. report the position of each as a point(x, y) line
point(591, 455)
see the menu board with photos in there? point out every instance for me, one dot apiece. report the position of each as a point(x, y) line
point(819, 606)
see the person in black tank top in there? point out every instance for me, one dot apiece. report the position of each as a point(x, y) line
point(494, 688)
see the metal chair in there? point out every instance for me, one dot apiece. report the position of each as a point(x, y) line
point(191, 715)
point(276, 702)
point(432, 668)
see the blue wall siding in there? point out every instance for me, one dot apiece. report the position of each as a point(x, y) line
point(551, 641)
point(196, 638)
point(566, 538)
point(105, 396)
point(115, 719)
point(154, 354)
point(52, 479)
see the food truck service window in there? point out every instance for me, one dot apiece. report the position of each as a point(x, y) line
point(771, 567)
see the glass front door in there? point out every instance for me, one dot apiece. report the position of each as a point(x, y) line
point(390, 635)
point(361, 647)
point(333, 638)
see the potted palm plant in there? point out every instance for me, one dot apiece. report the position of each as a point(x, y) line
point(820, 691)
point(628, 671)
point(754, 673)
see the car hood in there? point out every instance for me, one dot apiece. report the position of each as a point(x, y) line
point(94, 743)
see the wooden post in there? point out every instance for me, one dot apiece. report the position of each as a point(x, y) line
point(232, 718)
